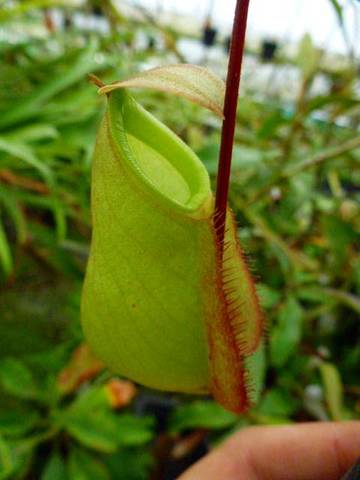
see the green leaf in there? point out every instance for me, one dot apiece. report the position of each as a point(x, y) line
point(130, 464)
point(209, 155)
point(5, 252)
point(30, 106)
point(356, 274)
point(308, 56)
point(132, 431)
point(55, 469)
point(6, 462)
point(201, 414)
point(333, 390)
point(313, 293)
point(269, 297)
point(340, 236)
point(16, 379)
point(26, 154)
point(89, 420)
point(244, 158)
point(26, 5)
point(190, 81)
point(82, 466)
point(45, 237)
point(16, 423)
point(278, 403)
point(338, 10)
point(91, 423)
point(32, 133)
point(271, 420)
point(286, 335)
point(96, 431)
point(15, 458)
point(14, 211)
point(89, 400)
point(271, 124)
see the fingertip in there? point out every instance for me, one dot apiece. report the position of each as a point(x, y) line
point(321, 450)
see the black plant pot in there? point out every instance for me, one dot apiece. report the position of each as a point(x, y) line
point(209, 36)
point(268, 50)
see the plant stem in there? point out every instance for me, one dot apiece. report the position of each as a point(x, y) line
point(322, 157)
point(230, 108)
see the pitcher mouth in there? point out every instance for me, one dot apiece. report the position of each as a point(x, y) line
point(167, 167)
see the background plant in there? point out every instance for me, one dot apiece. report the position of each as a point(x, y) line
point(295, 192)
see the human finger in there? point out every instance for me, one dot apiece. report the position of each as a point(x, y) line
point(321, 451)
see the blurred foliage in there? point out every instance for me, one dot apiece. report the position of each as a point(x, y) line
point(295, 192)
